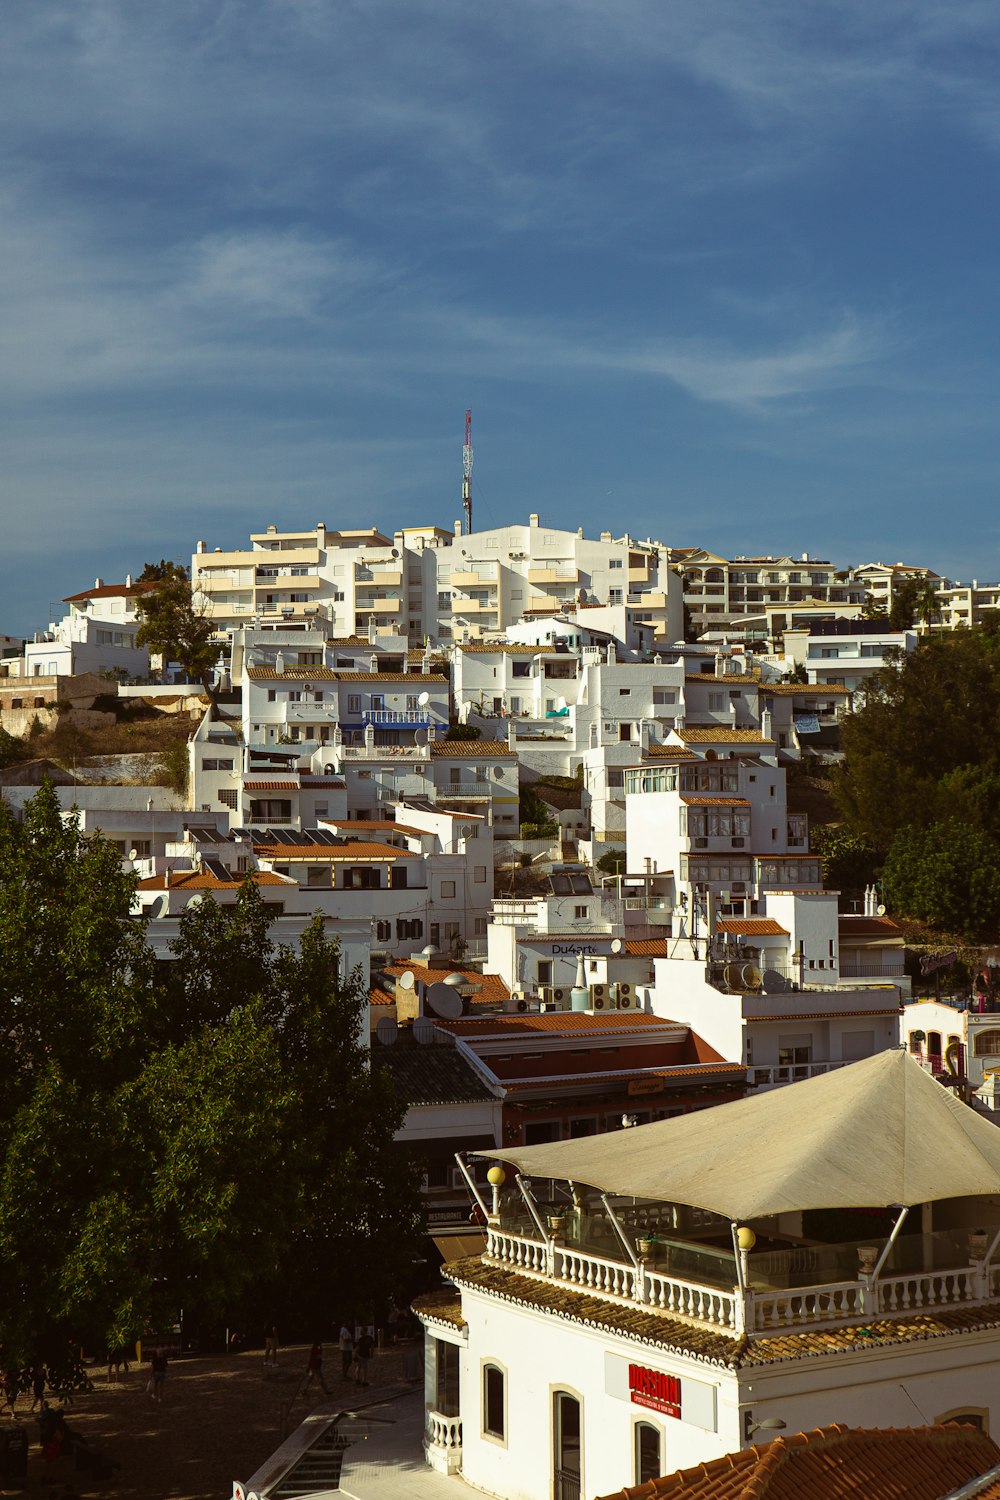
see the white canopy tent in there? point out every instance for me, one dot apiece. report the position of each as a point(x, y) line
point(876, 1133)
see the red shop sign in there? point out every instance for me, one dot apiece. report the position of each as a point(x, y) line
point(654, 1389)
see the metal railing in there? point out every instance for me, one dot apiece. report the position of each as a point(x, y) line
point(418, 718)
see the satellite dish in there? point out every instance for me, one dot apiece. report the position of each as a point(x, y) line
point(443, 1001)
point(423, 700)
point(751, 976)
point(420, 737)
point(731, 976)
point(395, 551)
point(616, 945)
point(406, 981)
point(387, 1031)
point(773, 982)
point(423, 1030)
point(196, 899)
point(157, 908)
point(133, 854)
point(880, 911)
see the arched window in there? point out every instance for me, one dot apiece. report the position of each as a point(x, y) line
point(987, 1043)
point(934, 1043)
point(495, 1402)
point(648, 1453)
point(966, 1416)
point(567, 1447)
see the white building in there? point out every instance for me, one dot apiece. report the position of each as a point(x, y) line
point(650, 1300)
point(846, 653)
point(97, 634)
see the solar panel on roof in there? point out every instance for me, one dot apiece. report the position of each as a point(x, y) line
point(214, 866)
point(560, 885)
point(581, 885)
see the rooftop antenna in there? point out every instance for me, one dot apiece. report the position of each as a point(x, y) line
point(467, 472)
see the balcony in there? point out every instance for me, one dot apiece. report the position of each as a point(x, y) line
point(791, 1285)
point(465, 789)
point(443, 1442)
point(398, 718)
point(562, 576)
point(872, 968)
point(377, 577)
point(468, 578)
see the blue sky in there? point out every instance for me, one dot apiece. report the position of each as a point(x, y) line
point(719, 271)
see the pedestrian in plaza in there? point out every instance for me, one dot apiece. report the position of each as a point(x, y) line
point(363, 1351)
point(158, 1366)
point(37, 1385)
point(346, 1344)
point(314, 1370)
point(271, 1345)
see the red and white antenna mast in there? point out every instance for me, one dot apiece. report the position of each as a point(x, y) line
point(467, 472)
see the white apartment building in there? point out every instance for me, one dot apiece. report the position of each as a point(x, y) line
point(966, 605)
point(882, 580)
point(97, 634)
point(846, 653)
point(718, 590)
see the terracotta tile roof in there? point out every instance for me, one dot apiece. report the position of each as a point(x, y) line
point(670, 752)
point(462, 748)
point(715, 801)
point(492, 989)
point(322, 782)
point(833, 1463)
point(830, 1015)
point(869, 927)
point(703, 734)
point(202, 880)
point(752, 927)
point(270, 786)
point(646, 948)
point(509, 650)
point(806, 689)
point(418, 679)
point(293, 672)
point(730, 679)
point(440, 1307)
point(554, 1022)
point(347, 826)
point(715, 1346)
point(110, 591)
point(432, 1075)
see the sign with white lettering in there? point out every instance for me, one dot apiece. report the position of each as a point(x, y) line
point(692, 1401)
point(654, 1389)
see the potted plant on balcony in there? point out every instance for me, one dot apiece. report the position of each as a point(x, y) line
point(557, 1224)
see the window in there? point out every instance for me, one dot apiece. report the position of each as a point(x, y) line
point(354, 703)
point(447, 890)
point(580, 913)
point(614, 596)
point(567, 1468)
point(447, 1371)
point(977, 1417)
point(648, 1464)
point(479, 874)
point(615, 562)
point(544, 971)
point(230, 799)
point(494, 1402)
point(987, 1044)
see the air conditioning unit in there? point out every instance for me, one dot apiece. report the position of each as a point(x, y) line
point(623, 997)
point(600, 998)
point(739, 843)
point(518, 1004)
point(559, 995)
point(700, 843)
point(739, 885)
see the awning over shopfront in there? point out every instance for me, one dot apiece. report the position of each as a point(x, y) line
point(458, 1246)
point(875, 1133)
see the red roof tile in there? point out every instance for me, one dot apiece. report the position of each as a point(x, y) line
point(270, 786)
point(752, 927)
point(833, 1463)
point(646, 948)
point(463, 748)
point(111, 591)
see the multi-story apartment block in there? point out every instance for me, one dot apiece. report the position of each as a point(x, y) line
point(97, 634)
point(882, 580)
point(718, 590)
point(846, 653)
point(967, 604)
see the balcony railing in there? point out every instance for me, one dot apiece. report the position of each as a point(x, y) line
point(774, 1299)
point(414, 718)
point(863, 968)
point(464, 789)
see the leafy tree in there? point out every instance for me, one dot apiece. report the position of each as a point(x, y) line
point(914, 599)
point(924, 746)
point(849, 864)
point(612, 863)
point(948, 875)
point(174, 626)
point(205, 1133)
point(462, 732)
point(12, 748)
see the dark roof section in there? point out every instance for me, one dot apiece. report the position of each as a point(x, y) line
point(432, 1074)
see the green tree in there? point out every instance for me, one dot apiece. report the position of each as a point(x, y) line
point(205, 1133)
point(914, 599)
point(924, 746)
point(174, 626)
point(12, 748)
point(849, 864)
point(948, 875)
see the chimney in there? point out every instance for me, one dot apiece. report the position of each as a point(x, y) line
point(128, 580)
point(98, 583)
point(511, 734)
point(279, 665)
point(371, 631)
point(200, 547)
point(458, 528)
point(765, 724)
point(373, 664)
point(533, 518)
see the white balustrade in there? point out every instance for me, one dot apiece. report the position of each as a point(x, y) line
point(705, 1304)
point(444, 1432)
point(517, 1250)
point(595, 1272)
point(838, 1302)
point(929, 1289)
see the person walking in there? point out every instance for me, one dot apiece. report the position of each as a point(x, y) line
point(37, 1385)
point(158, 1365)
point(271, 1346)
point(346, 1343)
point(314, 1370)
point(363, 1351)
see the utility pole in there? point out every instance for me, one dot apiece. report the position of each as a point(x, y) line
point(467, 472)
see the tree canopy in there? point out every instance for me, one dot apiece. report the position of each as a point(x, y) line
point(172, 623)
point(204, 1133)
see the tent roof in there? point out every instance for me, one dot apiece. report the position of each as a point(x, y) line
point(875, 1133)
